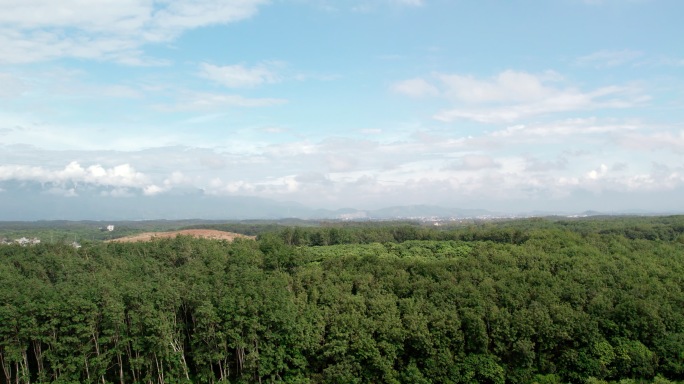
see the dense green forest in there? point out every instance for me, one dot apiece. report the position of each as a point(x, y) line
point(523, 301)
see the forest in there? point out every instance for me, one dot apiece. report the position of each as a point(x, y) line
point(543, 300)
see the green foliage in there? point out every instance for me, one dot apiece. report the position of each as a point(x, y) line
point(531, 301)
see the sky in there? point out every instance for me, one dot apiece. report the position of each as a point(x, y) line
point(564, 105)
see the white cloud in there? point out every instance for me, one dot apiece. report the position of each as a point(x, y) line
point(371, 131)
point(353, 172)
point(120, 91)
point(176, 16)
point(239, 76)
point(595, 174)
point(202, 101)
point(265, 187)
point(38, 30)
point(11, 86)
point(340, 162)
point(64, 192)
point(413, 3)
point(564, 128)
point(536, 101)
point(313, 178)
point(618, 2)
point(657, 141)
point(177, 178)
point(415, 88)
point(609, 59)
point(111, 15)
point(507, 86)
point(299, 169)
point(473, 162)
point(73, 173)
point(513, 96)
point(151, 190)
point(533, 164)
point(361, 6)
point(669, 61)
point(118, 192)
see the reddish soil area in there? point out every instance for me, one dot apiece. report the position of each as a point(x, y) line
point(203, 233)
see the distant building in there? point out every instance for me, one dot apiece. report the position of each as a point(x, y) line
point(25, 241)
point(110, 228)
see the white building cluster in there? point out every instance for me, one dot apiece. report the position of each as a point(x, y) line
point(24, 241)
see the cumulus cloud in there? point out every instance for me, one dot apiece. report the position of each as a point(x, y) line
point(597, 173)
point(176, 179)
point(37, 30)
point(437, 165)
point(120, 176)
point(151, 190)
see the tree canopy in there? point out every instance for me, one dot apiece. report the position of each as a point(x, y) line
point(545, 301)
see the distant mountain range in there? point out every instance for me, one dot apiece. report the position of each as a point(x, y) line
point(39, 207)
point(16, 204)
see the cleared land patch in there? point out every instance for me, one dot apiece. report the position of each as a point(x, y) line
point(199, 233)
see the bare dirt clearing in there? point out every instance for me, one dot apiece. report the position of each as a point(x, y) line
point(199, 233)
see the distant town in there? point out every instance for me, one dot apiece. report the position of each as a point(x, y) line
point(25, 241)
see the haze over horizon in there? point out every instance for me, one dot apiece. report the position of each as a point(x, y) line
point(562, 105)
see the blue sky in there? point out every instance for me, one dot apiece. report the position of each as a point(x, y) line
point(503, 105)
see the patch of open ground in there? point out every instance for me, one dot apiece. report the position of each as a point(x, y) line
point(199, 233)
